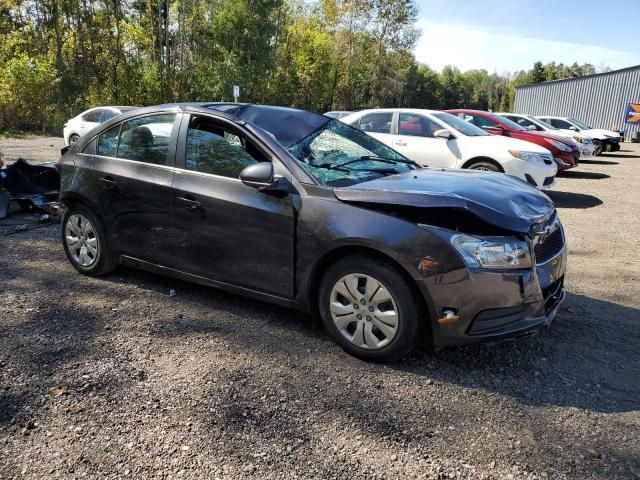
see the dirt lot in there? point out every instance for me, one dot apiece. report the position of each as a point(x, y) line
point(113, 377)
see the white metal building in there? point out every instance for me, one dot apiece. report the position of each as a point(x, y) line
point(599, 100)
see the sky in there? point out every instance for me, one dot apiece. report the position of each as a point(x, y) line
point(509, 35)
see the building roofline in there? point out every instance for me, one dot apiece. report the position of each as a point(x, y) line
point(582, 77)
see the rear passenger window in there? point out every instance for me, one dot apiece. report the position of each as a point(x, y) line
point(379, 122)
point(215, 149)
point(93, 116)
point(108, 142)
point(146, 139)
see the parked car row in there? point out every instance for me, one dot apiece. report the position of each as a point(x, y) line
point(440, 139)
point(306, 211)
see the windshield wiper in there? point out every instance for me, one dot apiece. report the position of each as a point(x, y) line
point(365, 158)
point(385, 160)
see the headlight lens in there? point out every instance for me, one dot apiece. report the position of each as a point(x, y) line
point(559, 145)
point(497, 252)
point(530, 156)
point(579, 139)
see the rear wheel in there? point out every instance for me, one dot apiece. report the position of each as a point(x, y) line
point(85, 243)
point(370, 309)
point(73, 139)
point(484, 166)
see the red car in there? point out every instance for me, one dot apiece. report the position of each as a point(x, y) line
point(564, 150)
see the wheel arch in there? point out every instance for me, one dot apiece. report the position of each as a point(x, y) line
point(473, 160)
point(329, 258)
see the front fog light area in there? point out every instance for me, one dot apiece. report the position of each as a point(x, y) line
point(499, 252)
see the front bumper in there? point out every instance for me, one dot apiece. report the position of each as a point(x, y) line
point(493, 306)
point(611, 144)
point(539, 175)
point(568, 160)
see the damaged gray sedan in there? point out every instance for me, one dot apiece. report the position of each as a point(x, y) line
point(304, 211)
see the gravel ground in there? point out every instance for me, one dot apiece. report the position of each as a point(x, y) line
point(115, 378)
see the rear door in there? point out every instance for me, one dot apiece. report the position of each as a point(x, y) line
point(129, 182)
point(415, 139)
point(227, 231)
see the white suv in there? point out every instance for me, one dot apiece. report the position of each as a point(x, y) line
point(441, 140)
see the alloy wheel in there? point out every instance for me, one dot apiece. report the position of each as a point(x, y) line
point(82, 241)
point(364, 311)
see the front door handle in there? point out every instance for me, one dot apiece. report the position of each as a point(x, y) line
point(400, 143)
point(189, 203)
point(108, 183)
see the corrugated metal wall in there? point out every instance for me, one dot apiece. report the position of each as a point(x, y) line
point(600, 100)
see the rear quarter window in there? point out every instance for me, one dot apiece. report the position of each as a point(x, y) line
point(108, 142)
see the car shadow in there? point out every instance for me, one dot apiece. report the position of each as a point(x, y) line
point(621, 155)
point(570, 364)
point(573, 200)
point(598, 162)
point(585, 175)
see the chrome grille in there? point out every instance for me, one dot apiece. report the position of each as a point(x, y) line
point(550, 246)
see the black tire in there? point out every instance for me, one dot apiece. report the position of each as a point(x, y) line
point(598, 149)
point(105, 262)
point(484, 165)
point(73, 139)
point(408, 306)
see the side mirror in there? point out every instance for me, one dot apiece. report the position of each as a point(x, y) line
point(442, 133)
point(261, 176)
point(493, 128)
point(574, 128)
point(532, 127)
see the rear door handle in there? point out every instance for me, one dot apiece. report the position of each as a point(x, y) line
point(189, 203)
point(108, 183)
point(401, 143)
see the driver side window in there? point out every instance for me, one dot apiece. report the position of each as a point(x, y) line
point(216, 149)
point(480, 121)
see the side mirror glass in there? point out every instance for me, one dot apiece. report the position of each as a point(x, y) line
point(442, 133)
point(261, 176)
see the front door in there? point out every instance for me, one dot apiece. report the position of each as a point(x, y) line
point(227, 231)
point(415, 141)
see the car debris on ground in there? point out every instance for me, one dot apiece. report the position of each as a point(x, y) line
point(34, 187)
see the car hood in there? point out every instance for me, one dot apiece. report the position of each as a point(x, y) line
point(555, 136)
point(499, 199)
point(508, 143)
point(600, 133)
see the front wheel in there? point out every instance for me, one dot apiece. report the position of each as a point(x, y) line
point(484, 166)
point(370, 309)
point(598, 149)
point(85, 243)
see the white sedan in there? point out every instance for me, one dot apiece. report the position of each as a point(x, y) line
point(605, 140)
point(441, 140)
point(87, 120)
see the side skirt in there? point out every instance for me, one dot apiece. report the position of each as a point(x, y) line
point(170, 272)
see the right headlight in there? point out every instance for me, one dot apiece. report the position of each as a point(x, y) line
point(578, 139)
point(530, 156)
point(492, 252)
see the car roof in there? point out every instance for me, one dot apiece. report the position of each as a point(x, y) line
point(399, 110)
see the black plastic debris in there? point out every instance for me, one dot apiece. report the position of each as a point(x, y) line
point(34, 187)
